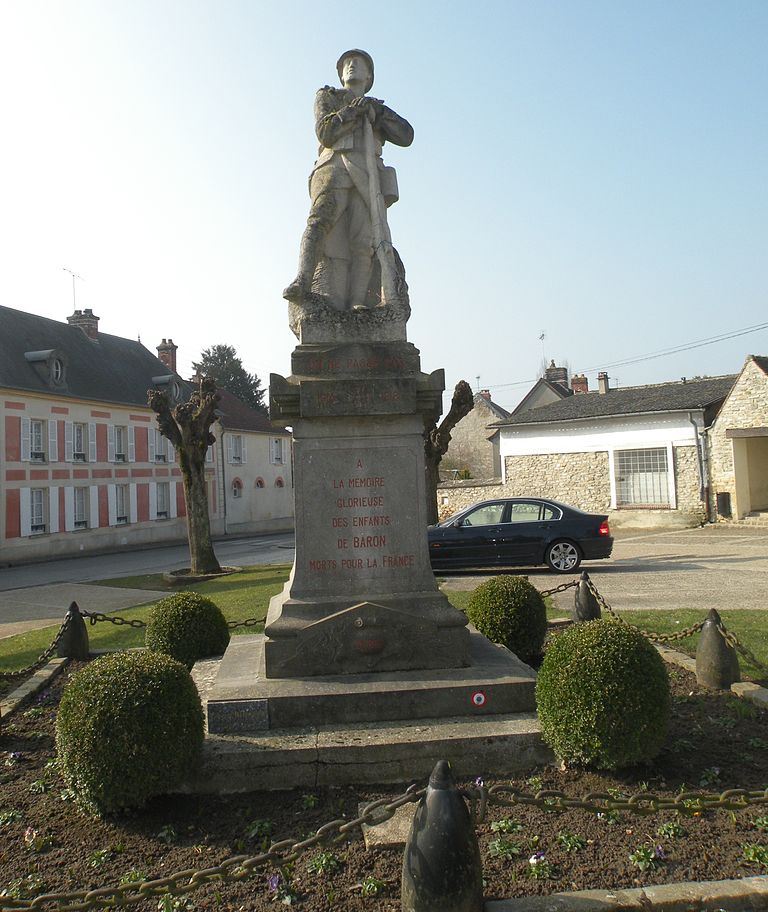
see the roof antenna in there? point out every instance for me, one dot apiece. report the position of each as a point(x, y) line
point(477, 377)
point(74, 276)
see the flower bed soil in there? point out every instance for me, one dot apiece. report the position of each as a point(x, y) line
point(716, 742)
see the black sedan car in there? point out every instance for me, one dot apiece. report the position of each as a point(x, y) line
point(519, 532)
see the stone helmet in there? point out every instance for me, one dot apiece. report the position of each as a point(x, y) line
point(356, 52)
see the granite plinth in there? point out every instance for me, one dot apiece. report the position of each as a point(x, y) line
point(243, 699)
point(358, 411)
point(371, 753)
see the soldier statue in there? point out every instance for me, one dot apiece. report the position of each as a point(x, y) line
point(350, 188)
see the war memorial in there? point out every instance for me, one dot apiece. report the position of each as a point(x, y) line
point(361, 651)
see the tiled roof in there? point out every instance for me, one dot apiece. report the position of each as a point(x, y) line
point(559, 389)
point(631, 400)
point(492, 406)
point(761, 361)
point(110, 369)
point(237, 416)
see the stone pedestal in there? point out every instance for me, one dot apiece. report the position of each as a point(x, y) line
point(361, 596)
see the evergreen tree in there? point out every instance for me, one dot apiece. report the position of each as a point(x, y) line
point(221, 363)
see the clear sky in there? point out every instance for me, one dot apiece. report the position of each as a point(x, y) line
point(596, 171)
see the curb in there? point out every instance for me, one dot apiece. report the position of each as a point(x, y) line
point(744, 689)
point(40, 679)
point(751, 894)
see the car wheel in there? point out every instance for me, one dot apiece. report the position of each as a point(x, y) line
point(563, 557)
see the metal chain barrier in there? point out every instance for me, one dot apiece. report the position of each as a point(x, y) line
point(234, 869)
point(644, 803)
point(655, 637)
point(733, 640)
point(95, 616)
point(562, 588)
point(249, 622)
point(42, 659)
point(238, 868)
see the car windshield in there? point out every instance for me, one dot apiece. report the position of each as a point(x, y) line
point(452, 518)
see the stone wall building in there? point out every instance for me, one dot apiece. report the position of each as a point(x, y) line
point(474, 446)
point(636, 453)
point(83, 467)
point(738, 445)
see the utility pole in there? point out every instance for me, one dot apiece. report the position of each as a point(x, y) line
point(74, 292)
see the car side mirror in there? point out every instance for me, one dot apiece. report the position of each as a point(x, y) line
point(457, 523)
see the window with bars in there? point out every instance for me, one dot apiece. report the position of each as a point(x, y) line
point(37, 440)
point(121, 441)
point(37, 510)
point(81, 508)
point(121, 504)
point(163, 499)
point(237, 449)
point(642, 478)
point(79, 442)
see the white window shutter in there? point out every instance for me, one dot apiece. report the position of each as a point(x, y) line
point(133, 504)
point(53, 509)
point(69, 509)
point(93, 505)
point(153, 500)
point(244, 445)
point(91, 441)
point(171, 452)
point(25, 508)
point(112, 504)
point(173, 488)
point(209, 454)
point(69, 446)
point(26, 441)
point(53, 440)
point(272, 450)
point(151, 444)
point(230, 448)
point(131, 444)
point(110, 443)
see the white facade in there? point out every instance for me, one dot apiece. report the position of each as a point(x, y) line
point(606, 435)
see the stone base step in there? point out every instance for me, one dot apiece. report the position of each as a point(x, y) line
point(243, 700)
point(373, 753)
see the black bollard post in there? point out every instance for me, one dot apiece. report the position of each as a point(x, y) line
point(74, 642)
point(586, 606)
point(717, 665)
point(442, 871)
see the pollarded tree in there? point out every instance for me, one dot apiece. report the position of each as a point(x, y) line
point(221, 363)
point(187, 425)
point(436, 440)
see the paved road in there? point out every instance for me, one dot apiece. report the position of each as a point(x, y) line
point(240, 552)
point(713, 567)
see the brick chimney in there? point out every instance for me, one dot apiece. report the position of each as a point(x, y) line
point(166, 352)
point(87, 321)
point(485, 394)
point(602, 383)
point(556, 374)
point(579, 383)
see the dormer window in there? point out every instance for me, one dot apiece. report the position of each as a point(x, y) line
point(49, 364)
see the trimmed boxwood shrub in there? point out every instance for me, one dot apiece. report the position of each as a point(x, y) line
point(129, 726)
point(603, 696)
point(510, 611)
point(188, 627)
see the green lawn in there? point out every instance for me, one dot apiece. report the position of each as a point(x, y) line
point(242, 595)
point(246, 595)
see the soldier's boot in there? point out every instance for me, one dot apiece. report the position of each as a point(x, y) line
point(360, 279)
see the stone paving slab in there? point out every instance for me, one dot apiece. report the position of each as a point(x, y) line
point(41, 606)
point(750, 893)
point(393, 832)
